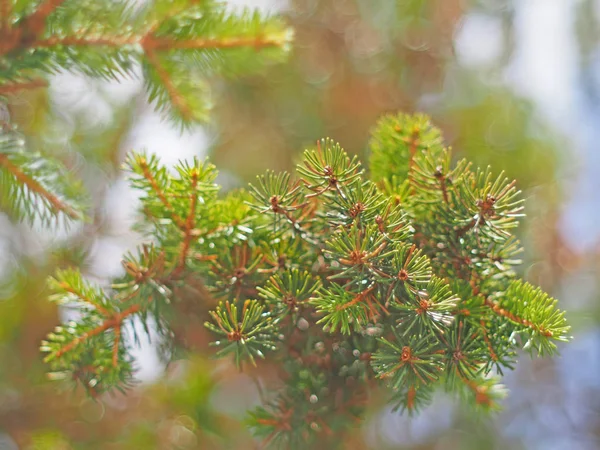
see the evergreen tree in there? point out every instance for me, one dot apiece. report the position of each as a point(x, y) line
point(401, 279)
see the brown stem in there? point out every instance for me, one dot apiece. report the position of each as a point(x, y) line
point(152, 43)
point(355, 300)
point(410, 397)
point(89, 41)
point(413, 143)
point(159, 193)
point(70, 289)
point(29, 29)
point(6, 11)
point(481, 395)
point(115, 321)
point(486, 338)
point(514, 318)
point(177, 99)
point(115, 353)
point(11, 88)
point(36, 187)
point(189, 226)
point(36, 22)
point(444, 189)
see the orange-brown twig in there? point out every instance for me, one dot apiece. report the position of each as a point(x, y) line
point(112, 322)
point(115, 352)
point(90, 41)
point(36, 22)
point(6, 11)
point(189, 226)
point(481, 395)
point(413, 145)
point(514, 318)
point(11, 88)
point(36, 187)
point(159, 193)
point(152, 43)
point(70, 289)
point(29, 30)
point(486, 338)
point(356, 299)
point(174, 95)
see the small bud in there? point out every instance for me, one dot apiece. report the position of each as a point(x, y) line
point(302, 324)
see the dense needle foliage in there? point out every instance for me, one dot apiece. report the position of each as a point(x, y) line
point(401, 278)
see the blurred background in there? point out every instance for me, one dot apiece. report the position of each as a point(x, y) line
point(514, 84)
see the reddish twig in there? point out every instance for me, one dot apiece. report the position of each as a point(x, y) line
point(176, 98)
point(189, 226)
point(514, 318)
point(36, 187)
point(11, 88)
point(70, 289)
point(159, 193)
point(115, 353)
point(112, 322)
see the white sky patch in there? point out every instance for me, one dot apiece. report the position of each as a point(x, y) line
point(545, 66)
point(264, 6)
point(478, 40)
point(156, 135)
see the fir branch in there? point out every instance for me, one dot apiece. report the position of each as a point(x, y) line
point(36, 22)
point(113, 321)
point(488, 342)
point(189, 226)
point(86, 41)
point(6, 15)
point(12, 88)
point(175, 96)
point(361, 288)
point(115, 354)
point(37, 189)
point(151, 43)
point(141, 162)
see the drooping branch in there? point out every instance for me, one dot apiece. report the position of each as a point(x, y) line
point(37, 188)
point(176, 97)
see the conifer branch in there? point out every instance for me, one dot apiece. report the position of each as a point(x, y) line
point(494, 306)
point(151, 43)
point(159, 193)
point(71, 289)
point(36, 22)
point(354, 289)
point(488, 342)
point(115, 351)
point(12, 88)
point(86, 41)
point(6, 12)
point(112, 322)
point(175, 96)
point(189, 226)
point(37, 188)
